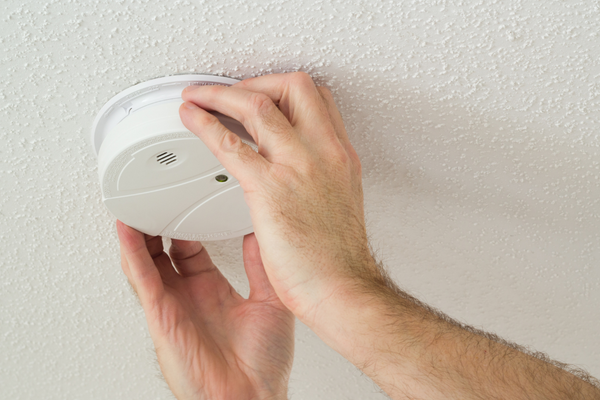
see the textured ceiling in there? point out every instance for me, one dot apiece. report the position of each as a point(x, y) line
point(478, 124)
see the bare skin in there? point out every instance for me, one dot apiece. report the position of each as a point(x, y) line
point(210, 342)
point(304, 191)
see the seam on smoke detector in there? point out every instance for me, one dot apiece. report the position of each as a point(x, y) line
point(116, 167)
point(122, 159)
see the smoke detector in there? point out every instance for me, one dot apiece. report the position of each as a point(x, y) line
point(158, 177)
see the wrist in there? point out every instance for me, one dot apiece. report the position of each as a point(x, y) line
point(375, 325)
point(352, 308)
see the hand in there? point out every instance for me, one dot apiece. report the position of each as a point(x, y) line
point(303, 188)
point(305, 196)
point(211, 343)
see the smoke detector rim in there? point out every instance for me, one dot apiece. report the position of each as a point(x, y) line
point(133, 98)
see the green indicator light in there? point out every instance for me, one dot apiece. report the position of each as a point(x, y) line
point(221, 178)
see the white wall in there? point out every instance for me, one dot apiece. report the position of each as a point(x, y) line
point(478, 124)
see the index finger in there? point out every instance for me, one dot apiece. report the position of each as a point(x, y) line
point(235, 155)
point(256, 111)
point(294, 92)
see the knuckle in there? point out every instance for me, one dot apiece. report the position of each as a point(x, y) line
point(325, 92)
point(301, 79)
point(205, 119)
point(230, 142)
point(261, 104)
point(340, 157)
point(243, 83)
point(353, 154)
point(354, 160)
point(213, 90)
point(246, 154)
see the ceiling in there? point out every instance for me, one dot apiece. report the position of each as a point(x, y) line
point(478, 127)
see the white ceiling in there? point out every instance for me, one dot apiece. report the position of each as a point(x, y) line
point(478, 124)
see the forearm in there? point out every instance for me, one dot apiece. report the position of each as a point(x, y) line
point(412, 351)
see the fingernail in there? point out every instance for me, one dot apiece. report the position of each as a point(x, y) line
point(190, 106)
point(190, 88)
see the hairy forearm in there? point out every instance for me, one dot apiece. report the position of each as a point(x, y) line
point(413, 351)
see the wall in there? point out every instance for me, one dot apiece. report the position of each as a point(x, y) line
point(477, 123)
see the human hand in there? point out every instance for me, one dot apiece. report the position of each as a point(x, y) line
point(303, 188)
point(211, 343)
point(305, 197)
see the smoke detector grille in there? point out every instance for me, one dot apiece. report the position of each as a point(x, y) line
point(157, 176)
point(166, 158)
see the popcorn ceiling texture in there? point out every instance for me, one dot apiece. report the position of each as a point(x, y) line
point(478, 125)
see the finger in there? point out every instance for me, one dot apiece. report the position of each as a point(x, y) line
point(143, 274)
point(300, 101)
point(338, 124)
point(262, 119)
point(161, 260)
point(236, 156)
point(124, 263)
point(295, 94)
point(190, 258)
point(334, 115)
point(260, 287)
point(125, 267)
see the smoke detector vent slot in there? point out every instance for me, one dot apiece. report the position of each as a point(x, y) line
point(166, 158)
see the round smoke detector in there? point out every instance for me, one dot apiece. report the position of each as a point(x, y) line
point(158, 177)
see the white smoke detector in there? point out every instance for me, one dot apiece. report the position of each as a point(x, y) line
point(158, 177)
